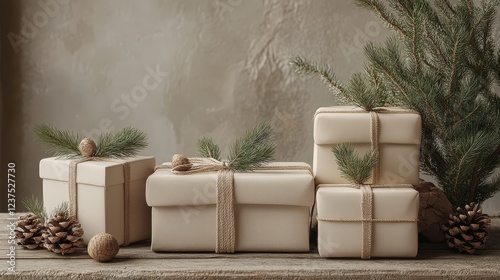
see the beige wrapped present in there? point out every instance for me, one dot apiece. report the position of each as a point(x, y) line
point(394, 133)
point(103, 203)
point(367, 221)
point(271, 210)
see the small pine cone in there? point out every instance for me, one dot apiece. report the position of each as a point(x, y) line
point(63, 235)
point(468, 229)
point(29, 231)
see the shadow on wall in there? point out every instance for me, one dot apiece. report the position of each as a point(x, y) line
point(11, 99)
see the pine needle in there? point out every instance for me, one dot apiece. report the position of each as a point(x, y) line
point(61, 209)
point(125, 143)
point(254, 149)
point(58, 142)
point(35, 206)
point(354, 168)
point(357, 93)
point(207, 148)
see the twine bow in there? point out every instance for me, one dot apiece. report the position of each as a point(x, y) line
point(73, 191)
point(225, 220)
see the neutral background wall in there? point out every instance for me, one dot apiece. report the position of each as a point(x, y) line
point(81, 65)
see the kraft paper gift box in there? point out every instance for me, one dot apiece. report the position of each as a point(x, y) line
point(399, 133)
point(101, 195)
point(394, 230)
point(271, 210)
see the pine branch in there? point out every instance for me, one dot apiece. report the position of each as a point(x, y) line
point(125, 143)
point(58, 142)
point(358, 93)
point(325, 73)
point(382, 12)
point(254, 149)
point(207, 148)
point(354, 168)
point(35, 206)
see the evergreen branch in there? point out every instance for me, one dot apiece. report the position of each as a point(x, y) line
point(302, 66)
point(382, 13)
point(35, 206)
point(354, 168)
point(207, 148)
point(58, 142)
point(254, 149)
point(125, 143)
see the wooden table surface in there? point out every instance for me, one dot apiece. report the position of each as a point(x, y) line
point(137, 261)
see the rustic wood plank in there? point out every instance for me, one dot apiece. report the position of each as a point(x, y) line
point(139, 262)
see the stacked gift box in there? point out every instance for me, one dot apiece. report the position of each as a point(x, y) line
point(377, 218)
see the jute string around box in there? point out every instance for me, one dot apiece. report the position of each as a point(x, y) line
point(367, 219)
point(225, 220)
point(73, 191)
point(374, 130)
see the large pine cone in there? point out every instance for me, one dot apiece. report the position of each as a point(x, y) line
point(467, 229)
point(29, 231)
point(64, 234)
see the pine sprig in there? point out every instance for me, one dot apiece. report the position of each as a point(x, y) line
point(207, 148)
point(61, 210)
point(357, 93)
point(302, 66)
point(35, 206)
point(254, 149)
point(125, 143)
point(58, 142)
point(354, 168)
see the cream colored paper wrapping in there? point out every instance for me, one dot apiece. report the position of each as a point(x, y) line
point(389, 239)
point(101, 195)
point(399, 133)
point(272, 210)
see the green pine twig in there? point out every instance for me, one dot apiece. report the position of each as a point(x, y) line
point(254, 149)
point(61, 210)
point(207, 148)
point(58, 142)
point(35, 206)
point(125, 143)
point(352, 167)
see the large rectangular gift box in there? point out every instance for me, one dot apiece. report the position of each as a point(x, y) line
point(398, 132)
point(271, 210)
point(101, 196)
point(342, 233)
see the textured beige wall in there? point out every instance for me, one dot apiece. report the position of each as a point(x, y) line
point(86, 65)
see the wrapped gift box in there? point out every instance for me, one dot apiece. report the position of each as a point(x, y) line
point(101, 195)
point(399, 142)
point(272, 210)
point(389, 239)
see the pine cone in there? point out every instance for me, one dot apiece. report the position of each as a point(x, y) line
point(64, 234)
point(467, 229)
point(29, 231)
